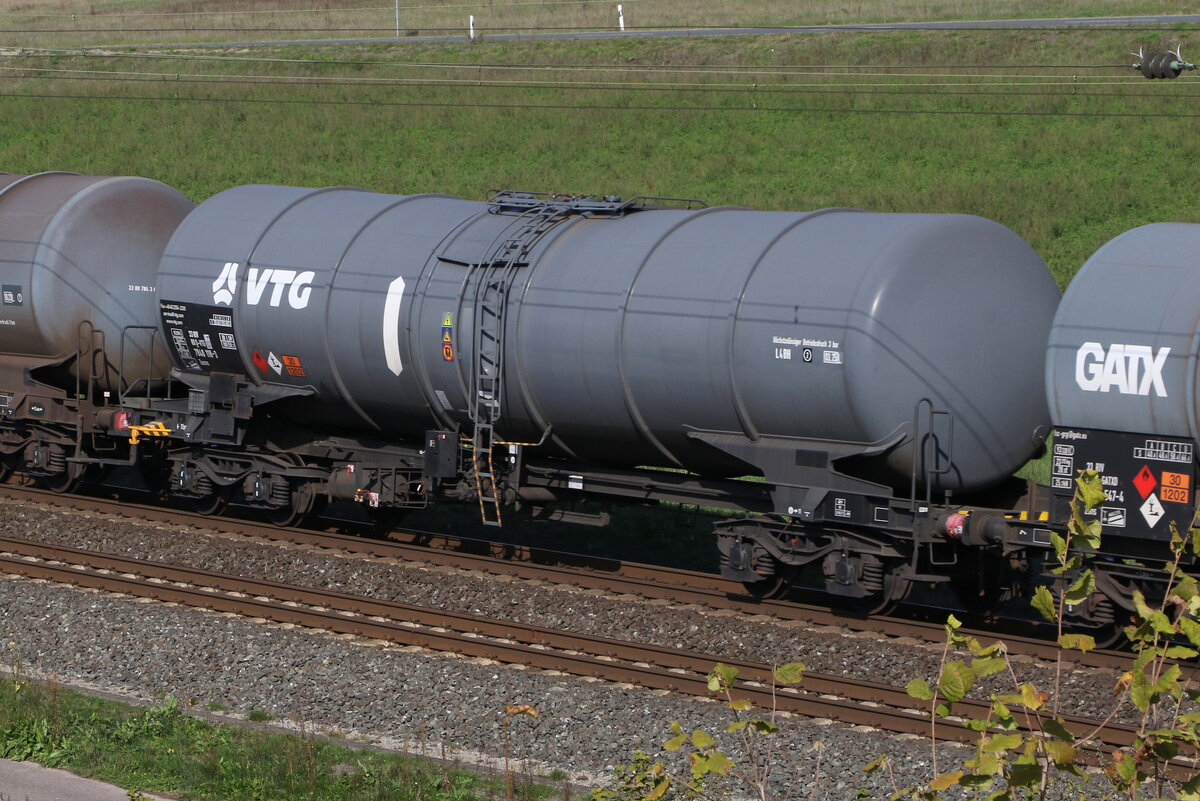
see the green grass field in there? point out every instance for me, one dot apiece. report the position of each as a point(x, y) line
point(981, 123)
point(163, 749)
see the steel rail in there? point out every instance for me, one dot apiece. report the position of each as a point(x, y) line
point(585, 572)
point(850, 701)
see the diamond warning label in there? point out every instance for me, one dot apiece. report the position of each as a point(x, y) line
point(1152, 510)
point(1145, 482)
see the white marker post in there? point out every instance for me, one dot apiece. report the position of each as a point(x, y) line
point(397, 19)
point(620, 17)
point(471, 29)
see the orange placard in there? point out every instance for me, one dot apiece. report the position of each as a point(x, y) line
point(1178, 480)
point(293, 366)
point(1174, 495)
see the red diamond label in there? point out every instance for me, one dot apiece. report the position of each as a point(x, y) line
point(1145, 481)
point(261, 364)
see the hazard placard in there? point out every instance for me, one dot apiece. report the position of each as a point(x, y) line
point(1152, 510)
point(293, 366)
point(1144, 481)
point(1180, 480)
point(1147, 480)
point(1176, 487)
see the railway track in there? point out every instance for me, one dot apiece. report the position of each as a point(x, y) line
point(585, 572)
point(850, 701)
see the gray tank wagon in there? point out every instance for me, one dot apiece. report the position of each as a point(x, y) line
point(882, 373)
point(670, 337)
point(1123, 352)
point(80, 257)
point(1122, 379)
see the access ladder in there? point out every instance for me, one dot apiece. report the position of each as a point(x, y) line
point(535, 215)
point(496, 276)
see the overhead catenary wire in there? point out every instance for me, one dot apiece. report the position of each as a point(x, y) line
point(71, 73)
point(755, 108)
point(464, 73)
point(763, 69)
point(894, 90)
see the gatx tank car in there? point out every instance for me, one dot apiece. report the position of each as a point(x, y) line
point(856, 388)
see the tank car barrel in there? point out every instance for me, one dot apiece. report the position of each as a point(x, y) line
point(624, 335)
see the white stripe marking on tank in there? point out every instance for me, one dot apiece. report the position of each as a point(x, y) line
point(391, 325)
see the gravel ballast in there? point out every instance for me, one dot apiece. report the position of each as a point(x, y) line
point(730, 635)
point(448, 704)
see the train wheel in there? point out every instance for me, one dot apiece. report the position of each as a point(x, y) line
point(877, 604)
point(62, 483)
point(884, 602)
point(1111, 636)
point(74, 477)
point(1111, 622)
point(286, 516)
point(215, 503)
point(95, 474)
point(302, 503)
point(290, 515)
point(775, 586)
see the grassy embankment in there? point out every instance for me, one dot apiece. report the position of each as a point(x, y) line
point(163, 749)
point(1066, 156)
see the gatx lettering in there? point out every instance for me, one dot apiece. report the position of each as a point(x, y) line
point(1128, 369)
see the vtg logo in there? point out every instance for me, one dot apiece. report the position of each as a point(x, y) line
point(297, 284)
point(225, 287)
point(1129, 369)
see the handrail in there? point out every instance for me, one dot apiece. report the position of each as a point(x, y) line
point(927, 451)
point(123, 390)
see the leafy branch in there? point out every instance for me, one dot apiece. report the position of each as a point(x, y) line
point(1012, 762)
